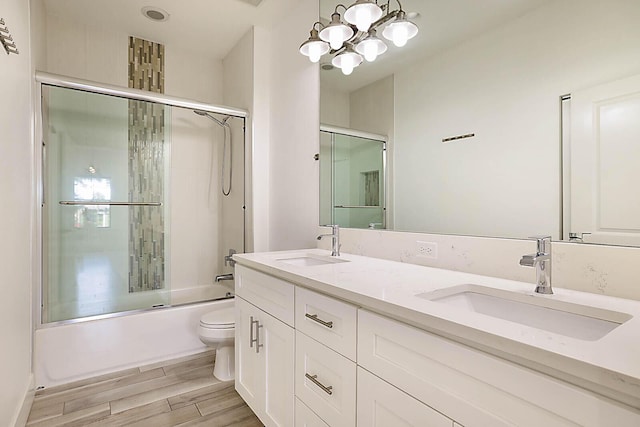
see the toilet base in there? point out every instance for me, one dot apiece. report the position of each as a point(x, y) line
point(224, 367)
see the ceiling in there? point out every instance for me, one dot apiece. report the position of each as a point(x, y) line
point(442, 24)
point(210, 26)
point(213, 27)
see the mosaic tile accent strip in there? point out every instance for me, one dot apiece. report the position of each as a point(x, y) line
point(146, 65)
point(146, 168)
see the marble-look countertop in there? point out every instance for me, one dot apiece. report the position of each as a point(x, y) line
point(608, 366)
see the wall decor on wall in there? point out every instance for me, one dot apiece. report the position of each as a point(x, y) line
point(146, 171)
point(6, 39)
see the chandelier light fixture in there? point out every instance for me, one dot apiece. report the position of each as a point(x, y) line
point(356, 40)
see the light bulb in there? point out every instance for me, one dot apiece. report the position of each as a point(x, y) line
point(315, 52)
point(363, 19)
point(400, 35)
point(335, 39)
point(370, 52)
point(347, 69)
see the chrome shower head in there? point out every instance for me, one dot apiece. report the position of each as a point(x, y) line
point(209, 116)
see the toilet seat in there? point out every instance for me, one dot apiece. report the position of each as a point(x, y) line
point(219, 319)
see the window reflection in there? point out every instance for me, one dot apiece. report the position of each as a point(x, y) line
point(92, 189)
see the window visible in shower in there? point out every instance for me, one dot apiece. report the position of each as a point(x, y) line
point(87, 189)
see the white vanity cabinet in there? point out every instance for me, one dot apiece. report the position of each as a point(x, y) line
point(308, 359)
point(475, 388)
point(264, 347)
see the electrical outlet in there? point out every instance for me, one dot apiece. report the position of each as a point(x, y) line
point(427, 249)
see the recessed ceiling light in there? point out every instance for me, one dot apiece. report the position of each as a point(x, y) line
point(413, 15)
point(327, 66)
point(155, 13)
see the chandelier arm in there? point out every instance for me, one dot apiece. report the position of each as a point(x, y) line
point(318, 23)
point(336, 9)
point(386, 18)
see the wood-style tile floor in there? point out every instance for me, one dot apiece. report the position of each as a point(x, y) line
point(181, 392)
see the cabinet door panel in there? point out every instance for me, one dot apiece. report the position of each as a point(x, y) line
point(382, 405)
point(278, 353)
point(249, 372)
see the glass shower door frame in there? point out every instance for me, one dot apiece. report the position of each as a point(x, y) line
point(335, 130)
point(39, 151)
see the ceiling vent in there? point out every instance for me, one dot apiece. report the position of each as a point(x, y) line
point(155, 13)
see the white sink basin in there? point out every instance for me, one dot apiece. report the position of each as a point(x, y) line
point(568, 319)
point(308, 260)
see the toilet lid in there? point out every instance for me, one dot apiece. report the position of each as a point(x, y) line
point(219, 319)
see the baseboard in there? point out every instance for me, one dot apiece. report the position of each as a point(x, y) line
point(23, 414)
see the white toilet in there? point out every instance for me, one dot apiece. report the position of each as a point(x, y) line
point(217, 330)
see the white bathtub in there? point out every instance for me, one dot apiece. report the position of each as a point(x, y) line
point(70, 352)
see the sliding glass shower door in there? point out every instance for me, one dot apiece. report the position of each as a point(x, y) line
point(104, 218)
point(352, 178)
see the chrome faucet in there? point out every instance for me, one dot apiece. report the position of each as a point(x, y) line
point(335, 239)
point(541, 261)
point(221, 277)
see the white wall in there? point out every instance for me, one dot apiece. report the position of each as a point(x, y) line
point(100, 54)
point(504, 86)
point(16, 214)
point(334, 107)
point(260, 120)
point(238, 91)
point(294, 104)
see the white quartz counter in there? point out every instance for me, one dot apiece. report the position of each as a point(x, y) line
point(608, 366)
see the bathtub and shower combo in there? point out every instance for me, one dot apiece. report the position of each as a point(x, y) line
point(141, 201)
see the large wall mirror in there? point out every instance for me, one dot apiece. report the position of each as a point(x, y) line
point(503, 118)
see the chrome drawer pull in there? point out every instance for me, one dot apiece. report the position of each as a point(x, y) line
point(258, 345)
point(251, 339)
point(314, 317)
point(324, 388)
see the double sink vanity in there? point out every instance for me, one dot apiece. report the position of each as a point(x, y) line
point(349, 340)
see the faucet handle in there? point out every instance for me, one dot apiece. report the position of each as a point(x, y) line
point(541, 243)
point(334, 227)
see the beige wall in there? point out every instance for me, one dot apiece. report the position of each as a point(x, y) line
point(294, 113)
point(16, 214)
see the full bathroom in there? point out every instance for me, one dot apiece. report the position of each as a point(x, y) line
point(220, 214)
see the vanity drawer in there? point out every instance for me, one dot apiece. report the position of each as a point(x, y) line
point(475, 388)
point(272, 295)
point(382, 405)
point(325, 381)
point(305, 417)
point(327, 320)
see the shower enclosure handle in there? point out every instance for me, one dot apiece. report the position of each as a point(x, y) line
point(92, 203)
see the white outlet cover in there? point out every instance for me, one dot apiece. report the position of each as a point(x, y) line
point(426, 249)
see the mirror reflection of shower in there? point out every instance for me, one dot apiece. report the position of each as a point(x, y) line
point(227, 129)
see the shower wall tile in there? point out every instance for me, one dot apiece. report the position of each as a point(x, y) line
point(146, 168)
point(146, 65)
